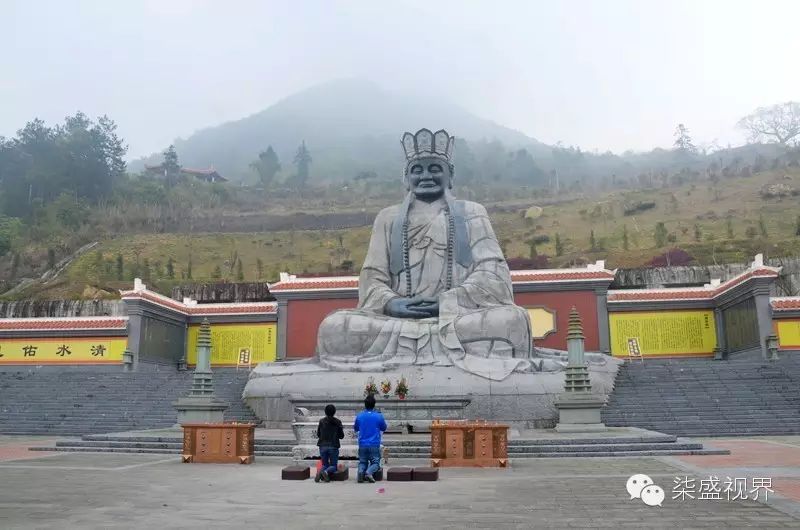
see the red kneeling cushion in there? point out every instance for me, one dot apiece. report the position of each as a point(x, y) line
point(401, 474)
point(426, 473)
point(295, 473)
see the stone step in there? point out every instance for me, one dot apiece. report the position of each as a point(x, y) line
point(590, 441)
point(124, 445)
point(78, 402)
point(406, 455)
point(709, 425)
point(699, 415)
point(697, 432)
point(76, 424)
point(106, 450)
point(731, 406)
point(169, 439)
point(642, 398)
point(156, 445)
point(660, 452)
point(93, 415)
point(704, 397)
point(598, 448)
point(285, 454)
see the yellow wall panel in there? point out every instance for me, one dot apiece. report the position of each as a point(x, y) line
point(664, 332)
point(228, 339)
point(543, 322)
point(64, 350)
point(788, 333)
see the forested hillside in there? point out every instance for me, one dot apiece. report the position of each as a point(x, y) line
point(308, 175)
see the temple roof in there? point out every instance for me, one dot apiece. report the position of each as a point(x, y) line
point(707, 292)
point(785, 303)
point(205, 174)
point(71, 323)
point(591, 273)
point(191, 307)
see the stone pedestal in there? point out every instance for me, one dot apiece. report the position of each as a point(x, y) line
point(523, 400)
point(402, 415)
point(579, 413)
point(199, 410)
point(305, 433)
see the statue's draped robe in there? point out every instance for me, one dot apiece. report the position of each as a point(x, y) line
point(479, 329)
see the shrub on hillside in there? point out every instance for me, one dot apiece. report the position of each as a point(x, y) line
point(519, 263)
point(674, 256)
point(636, 207)
point(777, 191)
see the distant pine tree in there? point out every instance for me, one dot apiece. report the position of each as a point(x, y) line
point(146, 270)
point(303, 162)
point(625, 237)
point(259, 269)
point(239, 271)
point(660, 234)
point(762, 226)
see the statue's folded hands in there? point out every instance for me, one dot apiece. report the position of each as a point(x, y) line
point(412, 307)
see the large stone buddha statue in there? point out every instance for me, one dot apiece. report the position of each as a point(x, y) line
point(435, 288)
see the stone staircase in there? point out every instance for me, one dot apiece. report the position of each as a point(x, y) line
point(411, 446)
point(137, 444)
point(703, 397)
point(76, 403)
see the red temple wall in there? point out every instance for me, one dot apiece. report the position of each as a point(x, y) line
point(303, 320)
point(561, 302)
point(305, 316)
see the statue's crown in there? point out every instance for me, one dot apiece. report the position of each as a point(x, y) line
point(427, 143)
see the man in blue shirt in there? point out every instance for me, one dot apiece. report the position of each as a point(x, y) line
point(369, 425)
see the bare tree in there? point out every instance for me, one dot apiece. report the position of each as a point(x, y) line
point(683, 141)
point(777, 123)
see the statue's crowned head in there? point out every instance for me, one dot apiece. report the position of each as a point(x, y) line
point(429, 163)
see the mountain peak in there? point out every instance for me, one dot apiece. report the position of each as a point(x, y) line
point(346, 123)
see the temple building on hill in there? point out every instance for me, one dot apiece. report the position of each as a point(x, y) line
point(208, 175)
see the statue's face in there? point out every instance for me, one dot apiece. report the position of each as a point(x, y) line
point(429, 177)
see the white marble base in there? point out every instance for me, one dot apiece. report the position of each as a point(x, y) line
point(526, 400)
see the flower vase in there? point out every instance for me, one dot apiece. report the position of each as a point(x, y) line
point(401, 396)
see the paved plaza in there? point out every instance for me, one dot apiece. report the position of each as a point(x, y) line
point(66, 490)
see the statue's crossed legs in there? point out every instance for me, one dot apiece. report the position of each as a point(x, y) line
point(350, 337)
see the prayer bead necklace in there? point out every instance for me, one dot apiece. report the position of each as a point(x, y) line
point(451, 230)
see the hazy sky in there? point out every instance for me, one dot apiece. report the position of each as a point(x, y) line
point(600, 74)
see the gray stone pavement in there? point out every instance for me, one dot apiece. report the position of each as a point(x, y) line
point(158, 492)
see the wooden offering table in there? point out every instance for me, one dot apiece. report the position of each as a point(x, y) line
point(218, 443)
point(468, 443)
